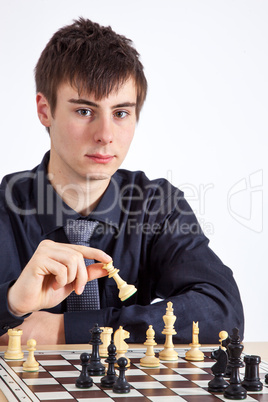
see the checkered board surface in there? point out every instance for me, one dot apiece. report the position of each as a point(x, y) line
point(172, 381)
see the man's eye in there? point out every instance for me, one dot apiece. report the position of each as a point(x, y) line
point(120, 114)
point(84, 112)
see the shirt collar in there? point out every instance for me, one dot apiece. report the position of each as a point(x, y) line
point(53, 212)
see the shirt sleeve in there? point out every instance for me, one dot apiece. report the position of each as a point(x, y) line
point(181, 268)
point(8, 320)
point(10, 268)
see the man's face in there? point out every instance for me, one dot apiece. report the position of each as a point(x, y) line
point(90, 138)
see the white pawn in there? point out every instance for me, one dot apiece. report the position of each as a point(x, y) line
point(149, 360)
point(31, 364)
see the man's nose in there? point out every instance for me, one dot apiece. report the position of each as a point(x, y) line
point(104, 130)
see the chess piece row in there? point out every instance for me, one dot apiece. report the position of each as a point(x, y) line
point(92, 365)
point(14, 351)
point(119, 383)
point(168, 353)
point(102, 336)
point(228, 364)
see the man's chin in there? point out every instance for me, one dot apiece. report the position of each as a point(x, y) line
point(98, 176)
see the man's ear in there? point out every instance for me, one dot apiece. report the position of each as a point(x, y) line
point(43, 110)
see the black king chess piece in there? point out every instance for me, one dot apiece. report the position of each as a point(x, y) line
point(95, 366)
point(235, 390)
point(110, 378)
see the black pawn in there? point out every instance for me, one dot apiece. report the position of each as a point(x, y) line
point(110, 378)
point(95, 366)
point(266, 378)
point(252, 380)
point(84, 381)
point(121, 386)
point(235, 390)
point(218, 384)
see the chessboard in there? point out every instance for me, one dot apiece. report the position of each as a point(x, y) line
point(180, 380)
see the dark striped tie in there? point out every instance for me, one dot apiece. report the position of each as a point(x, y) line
point(79, 232)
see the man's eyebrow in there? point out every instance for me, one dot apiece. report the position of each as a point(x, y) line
point(83, 102)
point(125, 104)
point(90, 103)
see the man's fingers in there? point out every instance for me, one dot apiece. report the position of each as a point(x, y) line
point(61, 251)
point(66, 263)
point(93, 271)
point(55, 268)
point(92, 253)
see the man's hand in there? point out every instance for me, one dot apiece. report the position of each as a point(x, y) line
point(53, 272)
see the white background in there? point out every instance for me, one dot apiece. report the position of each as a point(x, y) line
point(204, 124)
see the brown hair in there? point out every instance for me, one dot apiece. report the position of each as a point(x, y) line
point(92, 58)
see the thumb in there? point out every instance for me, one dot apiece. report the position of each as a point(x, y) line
point(95, 271)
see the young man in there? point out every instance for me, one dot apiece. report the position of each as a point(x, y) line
point(90, 90)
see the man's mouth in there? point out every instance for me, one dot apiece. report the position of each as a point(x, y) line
point(100, 158)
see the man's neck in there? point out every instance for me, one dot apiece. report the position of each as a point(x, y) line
point(81, 195)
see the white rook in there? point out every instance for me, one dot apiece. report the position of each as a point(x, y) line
point(14, 351)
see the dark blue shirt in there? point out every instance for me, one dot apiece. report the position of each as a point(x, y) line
point(153, 236)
